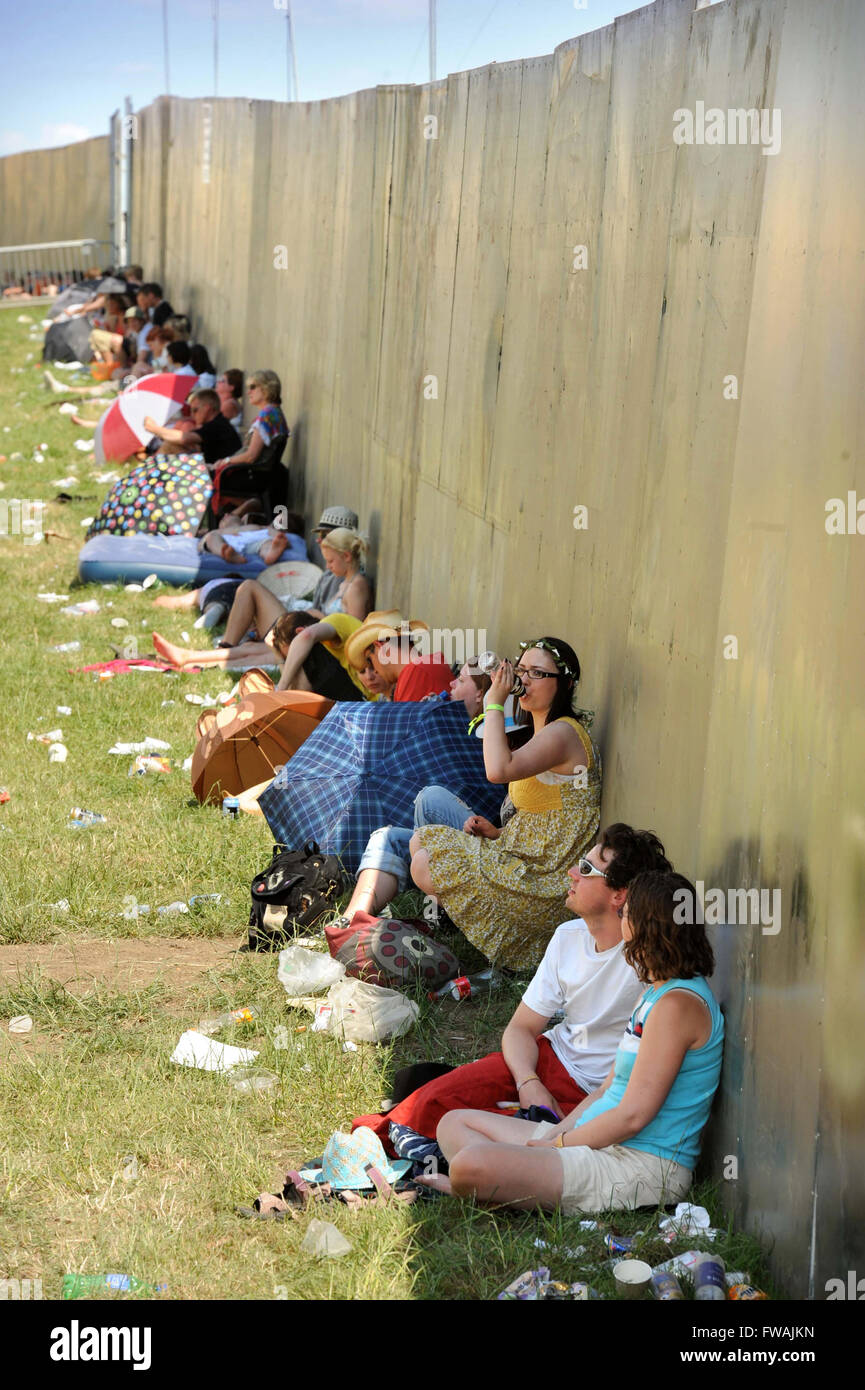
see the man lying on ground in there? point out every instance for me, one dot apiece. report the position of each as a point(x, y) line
point(584, 974)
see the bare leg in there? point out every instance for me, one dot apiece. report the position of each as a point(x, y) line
point(84, 424)
point(489, 1161)
point(188, 600)
point(420, 871)
point(301, 682)
point(253, 607)
point(374, 889)
point(247, 653)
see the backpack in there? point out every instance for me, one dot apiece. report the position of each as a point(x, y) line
point(297, 888)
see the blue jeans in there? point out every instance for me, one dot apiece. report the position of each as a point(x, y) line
point(387, 848)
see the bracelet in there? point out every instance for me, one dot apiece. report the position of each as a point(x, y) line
point(534, 1077)
point(559, 1141)
point(500, 708)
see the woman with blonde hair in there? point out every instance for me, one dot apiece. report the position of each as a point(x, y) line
point(343, 551)
point(265, 396)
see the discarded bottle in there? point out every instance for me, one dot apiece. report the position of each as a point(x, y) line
point(80, 1285)
point(79, 819)
point(231, 807)
point(745, 1293)
point(665, 1286)
point(199, 899)
point(66, 647)
point(176, 909)
point(218, 1021)
point(709, 1282)
point(468, 986)
point(148, 762)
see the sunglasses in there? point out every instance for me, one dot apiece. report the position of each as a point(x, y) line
point(588, 870)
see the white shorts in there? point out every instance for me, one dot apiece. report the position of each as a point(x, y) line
point(616, 1177)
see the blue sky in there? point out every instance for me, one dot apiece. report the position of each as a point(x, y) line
point(69, 63)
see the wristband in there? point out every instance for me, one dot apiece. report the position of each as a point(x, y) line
point(526, 1079)
point(559, 1141)
point(500, 708)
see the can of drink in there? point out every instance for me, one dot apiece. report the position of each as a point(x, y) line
point(231, 807)
point(665, 1286)
point(460, 988)
point(620, 1245)
point(746, 1293)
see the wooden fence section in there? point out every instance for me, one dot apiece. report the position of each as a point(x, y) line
point(512, 295)
point(56, 195)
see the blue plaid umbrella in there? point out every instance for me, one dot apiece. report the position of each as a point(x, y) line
point(363, 767)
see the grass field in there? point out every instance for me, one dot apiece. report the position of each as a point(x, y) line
point(110, 996)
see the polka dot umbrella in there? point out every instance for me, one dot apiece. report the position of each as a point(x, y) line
point(167, 495)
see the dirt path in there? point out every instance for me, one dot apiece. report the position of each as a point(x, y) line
point(120, 965)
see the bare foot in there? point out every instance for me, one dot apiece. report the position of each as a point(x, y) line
point(174, 655)
point(438, 1182)
point(232, 557)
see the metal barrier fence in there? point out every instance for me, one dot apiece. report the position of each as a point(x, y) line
point(36, 270)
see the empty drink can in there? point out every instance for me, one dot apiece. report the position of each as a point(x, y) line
point(231, 807)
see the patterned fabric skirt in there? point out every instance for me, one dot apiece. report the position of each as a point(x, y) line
point(508, 895)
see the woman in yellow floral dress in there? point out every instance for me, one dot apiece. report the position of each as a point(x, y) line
point(505, 889)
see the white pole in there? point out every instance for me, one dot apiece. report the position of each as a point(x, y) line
point(432, 40)
point(290, 23)
point(165, 46)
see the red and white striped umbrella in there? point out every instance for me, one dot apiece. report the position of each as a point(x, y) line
point(121, 433)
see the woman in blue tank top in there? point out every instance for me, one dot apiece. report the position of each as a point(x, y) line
point(635, 1141)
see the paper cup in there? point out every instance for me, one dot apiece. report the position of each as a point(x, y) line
point(633, 1278)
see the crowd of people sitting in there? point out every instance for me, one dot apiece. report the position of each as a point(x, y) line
point(621, 1086)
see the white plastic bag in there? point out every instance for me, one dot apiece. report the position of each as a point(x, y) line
point(307, 972)
point(363, 1012)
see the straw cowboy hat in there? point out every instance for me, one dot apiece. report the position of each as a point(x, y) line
point(377, 628)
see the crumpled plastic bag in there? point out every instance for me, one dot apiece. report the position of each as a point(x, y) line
point(362, 1012)
point(307, 972)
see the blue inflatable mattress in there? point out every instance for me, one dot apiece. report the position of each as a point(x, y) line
point(106, 559)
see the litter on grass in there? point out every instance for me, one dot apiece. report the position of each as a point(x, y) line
point(146, 745)
point(58, 753)
point(324, 1241)
point(79, 819)
point(81, 610)
point(53, 598)
point(146, 762)
point(63, 709)
point(687, 1220)
point(206, 1054)
point(23, 1023)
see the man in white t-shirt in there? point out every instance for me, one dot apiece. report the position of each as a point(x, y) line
point(584, 975)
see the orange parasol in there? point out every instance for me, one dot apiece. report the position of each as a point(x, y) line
point(242, 745)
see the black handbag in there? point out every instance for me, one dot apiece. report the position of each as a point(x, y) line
point(297, 888)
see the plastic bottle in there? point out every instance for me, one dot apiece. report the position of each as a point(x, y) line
point(213, 1025)
point(468, 986)
point(489, 663)
point(80, 1285)
point(213, 615)
point(709, 1282)
point(666, 1287)
point(745, 1293)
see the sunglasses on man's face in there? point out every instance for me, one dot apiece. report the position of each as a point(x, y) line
point(588, 870)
